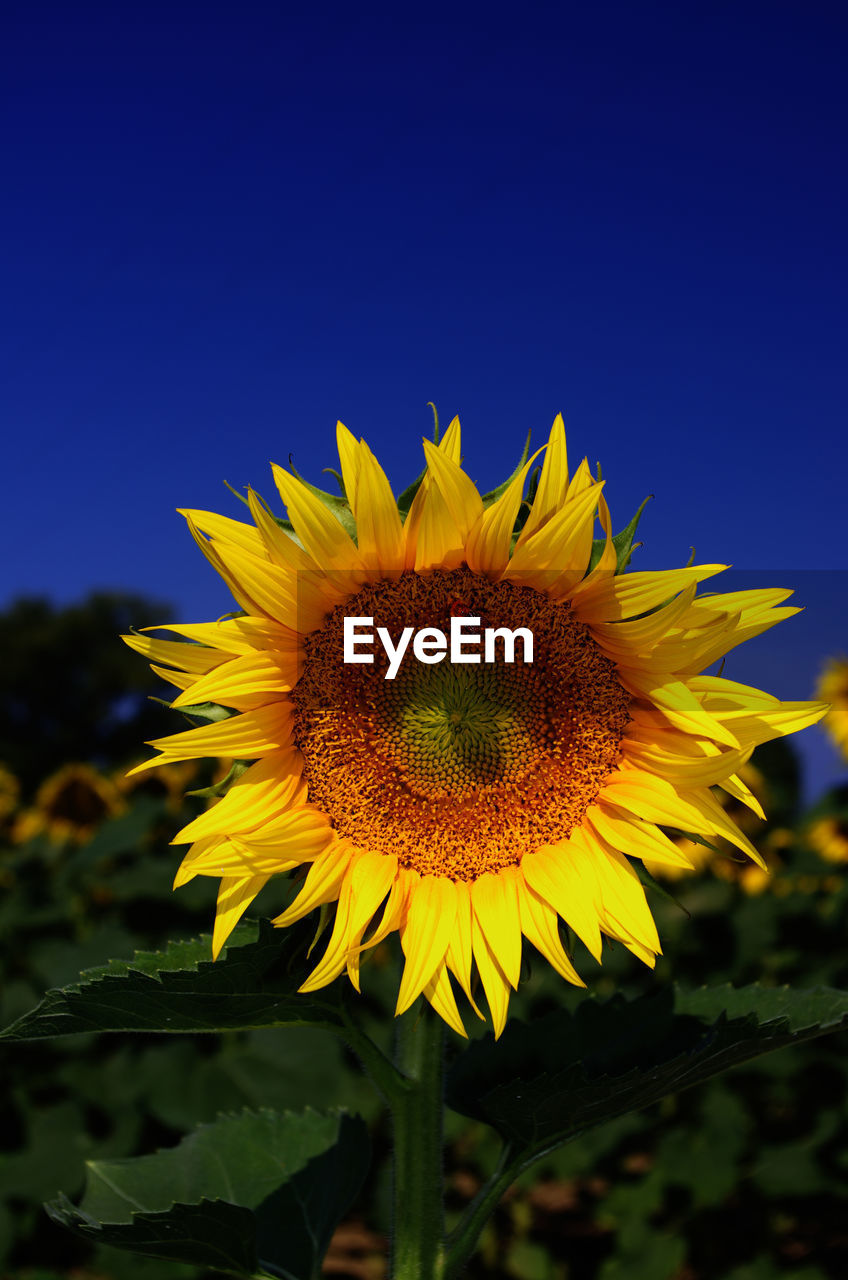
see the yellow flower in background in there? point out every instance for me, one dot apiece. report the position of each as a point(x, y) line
point(10, 793)
point(829, 837)
point(69, 805)
point(467, 807)
point(833, 688)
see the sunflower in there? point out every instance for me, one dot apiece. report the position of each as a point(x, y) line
point(833, 688)
point(829, 837)
point(10, 793)
point(471, 805)
point(70, 805)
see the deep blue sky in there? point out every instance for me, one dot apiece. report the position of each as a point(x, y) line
point(225, 226)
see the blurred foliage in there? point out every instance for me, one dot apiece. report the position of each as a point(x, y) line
point(744, 1178)
point(70, 690)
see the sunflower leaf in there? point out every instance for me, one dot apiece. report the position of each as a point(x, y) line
point(207, 711)
point(623, 542)
point(405, 499)
point(254, 984)
point(494, 494)
point(544, 1084)
point(255, 1192)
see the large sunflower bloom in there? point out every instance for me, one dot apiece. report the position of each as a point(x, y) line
point(467, 807)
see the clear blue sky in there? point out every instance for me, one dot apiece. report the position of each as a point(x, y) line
point(225, 226)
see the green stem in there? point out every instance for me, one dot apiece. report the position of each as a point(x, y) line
point(464, 1237)
point(418, 1247)
point(384, 1074)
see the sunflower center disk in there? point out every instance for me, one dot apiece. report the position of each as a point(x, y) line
point(459, 769)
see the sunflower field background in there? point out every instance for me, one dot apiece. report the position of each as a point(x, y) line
point(744, 1178)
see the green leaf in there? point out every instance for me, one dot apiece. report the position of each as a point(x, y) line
point(623, 542)
point(540, 1085)
point(207, 712)
point(256, 1191)
point(180, 989)
point(494, 494)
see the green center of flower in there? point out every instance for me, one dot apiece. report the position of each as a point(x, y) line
point(457, 728)
point(457, 768)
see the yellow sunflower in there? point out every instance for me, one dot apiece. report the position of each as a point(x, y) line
point(470, 805)
point(833, 688)
point(829, 837)
point(70, 805)
point(10, 793)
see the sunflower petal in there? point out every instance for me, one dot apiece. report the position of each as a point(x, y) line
point(425, 935)
point(495, 982)
point(539, 926)
point(494, 898)
point(235, 894)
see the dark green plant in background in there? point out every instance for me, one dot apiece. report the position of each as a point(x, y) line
point(744, 1177)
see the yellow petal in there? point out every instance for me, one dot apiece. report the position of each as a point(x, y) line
point(188, 867)
point(341, 941)
point(378, 527)
point(678, 704)
point(261, 793)
point(494, 897)
point(261, 677)
point(349, 457)
point(487, 549)
point(609, 556)
point(624, 898)
point(321, 884)
point(321, 534)
point(248, 736)
point(553, 483)
point(653, 799)
point(559, 548)
point(279, 546)
point(705, 771)
point(298, 835)
point(625, 638)
point(395, 910)
point(232, 859)
point(234, 635)
point(182, 679)
point(428, 515)
point(629, 594)
point(462, 504)
point(539, 925)
point(564, 877)
point(734, 786)
point(635, 837)
point(425, 935)
point(495, 982)
point(460, 952)
point(188, 657)
point(440, 994)
point(258, 586)
point(223, 529)
point(234, 897)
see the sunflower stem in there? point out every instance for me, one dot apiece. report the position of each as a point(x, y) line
point(418, 1247)
point(382, 1072)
